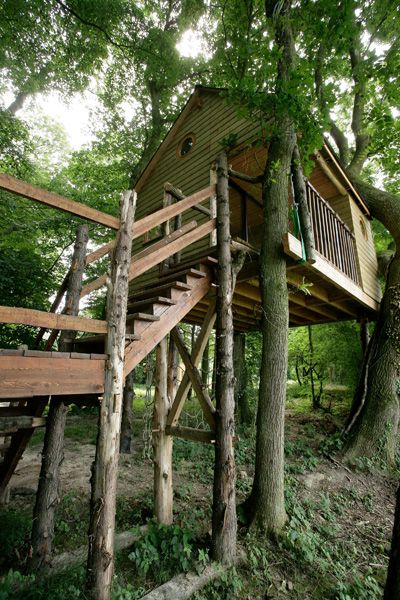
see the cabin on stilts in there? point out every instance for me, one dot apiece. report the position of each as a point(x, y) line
point(198, 217)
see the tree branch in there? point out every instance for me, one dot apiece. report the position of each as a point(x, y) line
point(93, 25)
point(361, 135)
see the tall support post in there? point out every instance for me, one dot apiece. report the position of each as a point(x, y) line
point(53, 448)
point(100, 564)
point(224, 526)
point(126, 422)
point(162, 443)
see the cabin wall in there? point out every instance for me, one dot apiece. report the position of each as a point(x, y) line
point(368, 263)
point(210, 121)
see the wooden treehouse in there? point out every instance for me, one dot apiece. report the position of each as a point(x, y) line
point(174, 277)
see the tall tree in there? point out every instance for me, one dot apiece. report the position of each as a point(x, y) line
point(357, 45)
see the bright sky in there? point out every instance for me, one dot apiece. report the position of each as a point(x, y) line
point(74, 115)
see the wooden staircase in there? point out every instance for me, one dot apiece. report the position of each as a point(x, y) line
point(30, 378)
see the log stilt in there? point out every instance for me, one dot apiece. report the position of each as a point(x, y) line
point(224, 526)
point(53, 448)
point(100, 564)
point(162, 443)
point(126, 424)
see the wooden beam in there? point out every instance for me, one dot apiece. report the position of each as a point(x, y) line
point(196, 356)
point(191, 434)
point(38, 318)
point(26, 190)
point(24, 376)
point(12, 424)
point(164, 214)
point(199, 388)
point(324, 269)
point(154, 257)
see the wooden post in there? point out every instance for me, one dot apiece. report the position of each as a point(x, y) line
point(224, 526)
point(299, 190)
point(213, 205)
point(162, 443)
point(100, 565)
point(53, 448)
point(126, 422)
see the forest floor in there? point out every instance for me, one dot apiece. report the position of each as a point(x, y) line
point(335, 545)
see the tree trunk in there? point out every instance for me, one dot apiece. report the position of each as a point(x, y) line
point(240, 370)
point(392, 588)
point(100, 565)
point(266, 505)
point(300, 198)
point(224, 526)
point(373, 428)
point(127, 409)
point(374, 433)
point(162, 443)
point(47, 496)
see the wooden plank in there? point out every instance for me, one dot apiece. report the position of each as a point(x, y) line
point(199, 387)
point(12, 424)
point(292, 247)
point(38, 318)
point(136, 351)
point(141, 265)
point(197, 353)
point(164, 214)
point(26, 190)
point(27, 377)
point(191, 434)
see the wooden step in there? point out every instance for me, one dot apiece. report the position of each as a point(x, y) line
point(139, 322)
point(142, 304)
point(168, 277)
point(95, 343)
point(163, 290)
point(194, 262)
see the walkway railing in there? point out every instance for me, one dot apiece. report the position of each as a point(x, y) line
point(333, 238)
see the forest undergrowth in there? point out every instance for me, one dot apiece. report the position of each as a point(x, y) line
point(335, 544)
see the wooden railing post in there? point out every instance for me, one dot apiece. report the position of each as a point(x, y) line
point(53, 448)
point(224, 525)
point(100, 565)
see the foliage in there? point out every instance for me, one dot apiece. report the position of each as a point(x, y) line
point(14, 536)
point(164, 550)
point(337, 351)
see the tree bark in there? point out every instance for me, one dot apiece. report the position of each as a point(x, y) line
point(392, 587)
point(266, 505)
point(373, 430)
point(240, 370)
point(224, 526)
point(127, 410)
point(162, 443)
point(47, 496)
point(100, 564)
point(300, 198)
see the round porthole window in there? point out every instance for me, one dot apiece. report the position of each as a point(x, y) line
point(185, 146)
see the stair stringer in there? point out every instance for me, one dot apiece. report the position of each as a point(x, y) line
point(137, 350)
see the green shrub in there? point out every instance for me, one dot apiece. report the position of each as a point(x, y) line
point(163, 551)
point(15, 533)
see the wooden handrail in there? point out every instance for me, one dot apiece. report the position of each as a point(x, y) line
point(159, 216)
point(26, 190)
point(150, 257)
point(39, 318)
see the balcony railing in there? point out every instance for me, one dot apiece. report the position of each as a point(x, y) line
point(333, 238)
